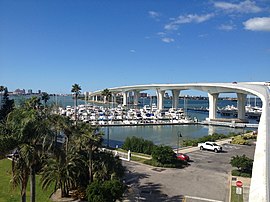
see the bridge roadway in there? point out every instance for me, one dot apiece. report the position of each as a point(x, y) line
point(260, 182)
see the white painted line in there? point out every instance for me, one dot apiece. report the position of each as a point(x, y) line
point(202, 199)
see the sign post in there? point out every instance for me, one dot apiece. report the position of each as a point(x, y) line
point(239, 188)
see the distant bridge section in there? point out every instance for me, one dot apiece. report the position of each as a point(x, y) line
point(260, 182)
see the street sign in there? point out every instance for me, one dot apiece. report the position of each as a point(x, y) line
point(239, 190)
point(239, 183)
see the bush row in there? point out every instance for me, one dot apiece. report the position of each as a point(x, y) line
point(139, 145)
point(211, 138)
point(240, 173)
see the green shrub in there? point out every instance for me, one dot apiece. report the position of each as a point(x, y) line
point(243, 163)
point(240, 174)
point(236, 173)
point(176, 164)
point(239, 140)
point(164, 155)
point(138, 145)
point(245, 174)
point(108, 191)
point(211, 138)
point(249, 136)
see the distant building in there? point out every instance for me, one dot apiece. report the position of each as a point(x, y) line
point(30, 91)
point(19, 92)
point(39, 91)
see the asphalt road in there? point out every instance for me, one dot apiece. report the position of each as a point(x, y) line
point(205, 179)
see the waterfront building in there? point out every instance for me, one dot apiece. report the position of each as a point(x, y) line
point(19, 92)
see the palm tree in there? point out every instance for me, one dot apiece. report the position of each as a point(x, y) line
point(106, 93)
point(28, 127)
point(88, 140)
point(107, 167)
point(20, 173)
point(32, 103)
point(7, 105)
point(45, 96)
point(76, 89)
point(2, 88)
point(63, 170)
point(61, 125)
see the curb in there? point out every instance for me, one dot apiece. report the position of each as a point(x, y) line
point(230, 186)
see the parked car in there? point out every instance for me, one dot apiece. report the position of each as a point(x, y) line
point(210, 146)
point(183, 157)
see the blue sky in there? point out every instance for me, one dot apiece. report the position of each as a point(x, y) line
point(50, 45)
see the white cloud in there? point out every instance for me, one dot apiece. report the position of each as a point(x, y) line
point(183, 19)
point(153, 14)
point(243, 7)
point(258, 24)
point(167, 40)
point(161, 34)
point(226, 27)
point(132, 51)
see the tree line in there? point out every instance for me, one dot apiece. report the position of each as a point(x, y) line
point(31, 133)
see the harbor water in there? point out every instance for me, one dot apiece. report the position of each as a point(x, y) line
point(159, 134)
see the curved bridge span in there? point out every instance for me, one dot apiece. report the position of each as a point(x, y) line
point(260, 182)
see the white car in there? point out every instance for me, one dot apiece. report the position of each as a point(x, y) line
point(210, 146)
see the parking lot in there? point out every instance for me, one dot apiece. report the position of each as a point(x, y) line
point(205, 179)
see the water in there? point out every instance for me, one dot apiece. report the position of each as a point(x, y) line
point(166, 135)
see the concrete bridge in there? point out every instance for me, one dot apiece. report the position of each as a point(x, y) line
point(259, 189)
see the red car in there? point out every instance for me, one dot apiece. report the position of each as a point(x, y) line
point(183, 157)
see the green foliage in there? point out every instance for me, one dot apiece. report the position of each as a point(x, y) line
point(107, 167)
point(139, 145)
point(164, 155)
point(211, 138)
point(69, 166)
point(243, 163)
point(107, 191)
point(106, 93)
point(236, 197)
point(240, 173)
point(6, 104)
point(12, 194)
point(239, 140)
point(45, 97)
point(177, 163)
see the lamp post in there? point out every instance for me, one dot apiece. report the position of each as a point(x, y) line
point(178, 136)
point(108, 130)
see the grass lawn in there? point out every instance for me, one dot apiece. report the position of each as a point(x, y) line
point(234, 196)
point(8, 194)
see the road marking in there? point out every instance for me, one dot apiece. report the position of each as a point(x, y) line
point(202, 199)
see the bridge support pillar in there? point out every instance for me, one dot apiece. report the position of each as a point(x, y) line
point(160, 96)
point(136, 97)
point(125, 98)
point(175, 98)
point(113, 99)
point(212, 105)
point(241, 103)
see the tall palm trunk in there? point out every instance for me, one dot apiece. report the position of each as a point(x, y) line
point(32, 184)
point(75, 110)
point(90, 157)
point(24, 181)
point(23, 194)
